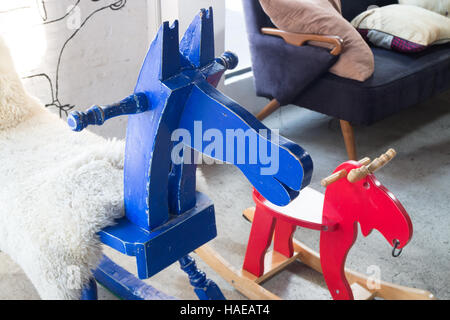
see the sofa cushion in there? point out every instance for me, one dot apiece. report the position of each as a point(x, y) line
point(351, 8)
point(399, 81)
point(322, 17)
point(439, 6)
point(403, 28)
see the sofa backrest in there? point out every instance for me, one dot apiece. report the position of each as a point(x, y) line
point(255, 17)
point(351, 8)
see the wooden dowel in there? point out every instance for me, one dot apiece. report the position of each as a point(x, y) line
point(357, 174)
point(364, 161)
point(333, 178)
point(381, 161)
point(362, 172)
point(341, 174)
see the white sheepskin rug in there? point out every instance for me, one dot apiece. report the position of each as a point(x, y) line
point(57, 190)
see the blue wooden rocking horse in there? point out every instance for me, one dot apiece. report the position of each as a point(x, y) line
point(165, 218)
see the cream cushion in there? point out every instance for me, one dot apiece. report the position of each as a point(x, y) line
point(411, 23)
point(440, 6)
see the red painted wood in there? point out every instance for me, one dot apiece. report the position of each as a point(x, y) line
point(374, 207)
point(326, 224)
point(282, 241)
point(259, 241)
point(334, 247)
point(366, 202)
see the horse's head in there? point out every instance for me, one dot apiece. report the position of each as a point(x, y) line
point(354, 194)
point(176, 105)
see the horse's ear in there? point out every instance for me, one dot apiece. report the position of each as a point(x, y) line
point(197, 44)
point(170, 58)
point(163, 58)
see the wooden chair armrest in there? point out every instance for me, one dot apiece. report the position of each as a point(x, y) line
point(298, 39)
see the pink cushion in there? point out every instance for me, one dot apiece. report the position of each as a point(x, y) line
point(323, 17)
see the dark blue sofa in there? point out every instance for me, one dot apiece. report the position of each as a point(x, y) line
point(298, 75)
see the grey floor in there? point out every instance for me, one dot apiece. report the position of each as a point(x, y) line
point(419, 177)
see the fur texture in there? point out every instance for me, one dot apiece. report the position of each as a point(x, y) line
point(439, 6)
point(14, 103)
point(57, 190)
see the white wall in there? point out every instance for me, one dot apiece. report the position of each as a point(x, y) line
point(99, 47)
point(185, 10)
point(98, 62)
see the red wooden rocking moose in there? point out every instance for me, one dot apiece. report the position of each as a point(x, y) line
point(353, 195)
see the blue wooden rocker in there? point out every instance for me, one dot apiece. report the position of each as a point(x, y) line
point(165, 218)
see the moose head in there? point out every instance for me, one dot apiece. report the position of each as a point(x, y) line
point(354, 195)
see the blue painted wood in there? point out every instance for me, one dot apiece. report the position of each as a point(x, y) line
point(204, 288)
point(157, 249)
point(147, 165)
point(197, 44)
point(89, 292)
point(214, 111)
point(124, 284)
point(97, 115)
point(165, 217)
point(182, 183)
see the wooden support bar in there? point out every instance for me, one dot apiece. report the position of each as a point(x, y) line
point(244, 285)
point(274, 262)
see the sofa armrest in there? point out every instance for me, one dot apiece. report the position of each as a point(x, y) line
point(298, 39)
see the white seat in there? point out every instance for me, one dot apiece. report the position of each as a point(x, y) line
point(307, 206)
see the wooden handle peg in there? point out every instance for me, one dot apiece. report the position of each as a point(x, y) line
point(381, 161)
point(333, 178)
point(365, 170)
point(358, 174)
point(364, 161)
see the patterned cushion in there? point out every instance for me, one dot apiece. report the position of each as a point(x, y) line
point(391, 42)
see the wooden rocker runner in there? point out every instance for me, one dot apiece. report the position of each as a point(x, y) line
point(353, 195)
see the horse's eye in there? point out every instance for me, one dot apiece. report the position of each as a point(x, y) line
point(366, 185)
